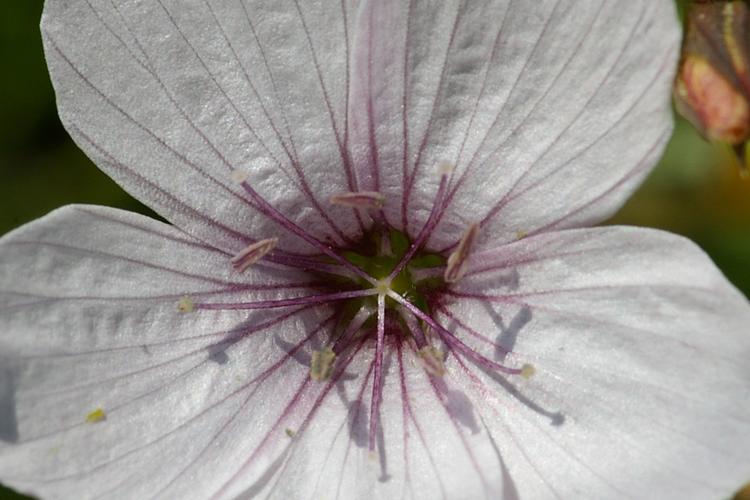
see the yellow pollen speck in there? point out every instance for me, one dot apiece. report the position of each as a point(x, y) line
point(95, 416)
point(322, 364)
point(521, 235)
point(528, 371)
point(289, 432)
point(239, 176)
point(186, 305)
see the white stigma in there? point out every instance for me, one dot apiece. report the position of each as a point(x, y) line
point(253, 253)
point(383, 286)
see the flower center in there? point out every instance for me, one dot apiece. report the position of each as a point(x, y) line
point(384, 284)
point(379, 256)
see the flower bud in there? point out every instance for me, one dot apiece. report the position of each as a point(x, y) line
point(712, 89)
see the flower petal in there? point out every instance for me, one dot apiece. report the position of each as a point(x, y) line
point(640, 347)
point(108, 390)
point(556, 100)
point(552, 111)
point(432, 442)
point(170, 97)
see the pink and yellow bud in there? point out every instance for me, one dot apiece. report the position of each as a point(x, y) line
point(712, 89)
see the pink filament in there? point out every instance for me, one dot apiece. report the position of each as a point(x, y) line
point(296, 301)
point(377, 382)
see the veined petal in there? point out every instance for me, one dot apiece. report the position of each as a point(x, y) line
point(640, 347)
point(432, 444)
point(108, 390)
point(552, 111)
point(560, 100)
point(169, 97)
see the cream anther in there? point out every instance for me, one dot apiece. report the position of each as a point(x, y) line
point(360, 199)
point(186, 305)
point(432, 360)
point(253, 253)
point(322, 364)
point(455, 268)
point(239, 176)
point(528, 371)
point(445, 168)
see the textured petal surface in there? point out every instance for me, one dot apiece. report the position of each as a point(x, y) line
point(640, 345)
point(169, 97)
point(88, 301)
point(552, 110)
point(206, 403)
point(434, 443)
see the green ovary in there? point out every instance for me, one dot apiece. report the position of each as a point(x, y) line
point(387, 254)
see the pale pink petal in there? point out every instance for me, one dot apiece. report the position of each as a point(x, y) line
point(89, 321)
point(170, 97)
point(433, 442)
point(530, 100)
point(552, 111)
point(642, 386)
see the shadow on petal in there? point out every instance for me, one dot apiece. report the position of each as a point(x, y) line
point(299, 355)
point(556, 417)
point(506, 339)
point(357, 422)
point(458, 405)
point(510, 280)
point(266, 477)
point(510, 491)
point(8, 422)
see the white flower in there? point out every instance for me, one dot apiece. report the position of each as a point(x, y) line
point(269, 343)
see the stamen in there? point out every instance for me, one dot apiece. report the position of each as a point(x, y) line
point(528, 371)
point(96, 416)
point(253, 253)
point(360, 199)
point(356, 323)
point(289, 432)
point(186, 305)
point(414, 328)
point(431, 357)
point(433, 360)
point(456, 268)
point(377, 381)
point(296, 301)
point(451, 339)
point(269, 211)
point(432, 220)
point(322, 364)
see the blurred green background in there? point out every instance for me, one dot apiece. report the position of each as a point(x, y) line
point(695, 191)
